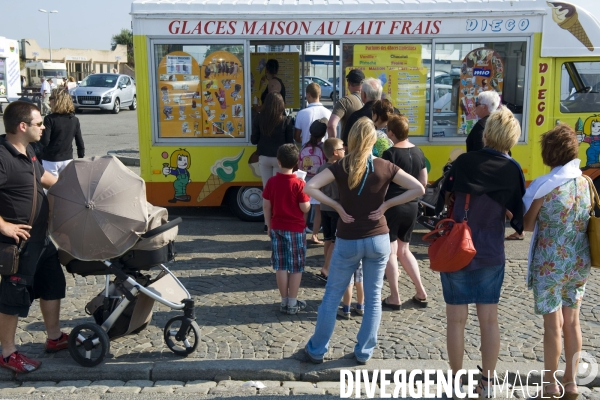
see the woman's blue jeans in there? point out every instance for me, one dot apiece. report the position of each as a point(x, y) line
point(374, 252)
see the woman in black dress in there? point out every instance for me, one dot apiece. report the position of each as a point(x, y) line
point(401, 219)
point(62, 127)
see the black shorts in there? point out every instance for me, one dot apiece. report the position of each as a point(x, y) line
point(40, 275)
point(401, 221)
point(329, 220)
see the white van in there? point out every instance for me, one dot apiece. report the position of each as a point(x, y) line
point(38, 70)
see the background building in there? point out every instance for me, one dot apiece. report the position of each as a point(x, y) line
point(80, 62)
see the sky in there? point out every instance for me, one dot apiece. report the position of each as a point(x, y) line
point(86, 24)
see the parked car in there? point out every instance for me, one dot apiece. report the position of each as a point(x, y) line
point(445, 78)
point(442, 98)
point(327, 90)
point(105, 92)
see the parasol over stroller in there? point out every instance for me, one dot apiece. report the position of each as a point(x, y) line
point(102, 225)
point(98, 207)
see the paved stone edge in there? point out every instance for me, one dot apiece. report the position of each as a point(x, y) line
point(129, 161)
point(241, 369)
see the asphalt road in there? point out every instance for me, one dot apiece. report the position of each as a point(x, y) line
point(103, 131)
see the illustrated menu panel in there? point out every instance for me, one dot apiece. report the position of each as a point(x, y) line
point(203, 99)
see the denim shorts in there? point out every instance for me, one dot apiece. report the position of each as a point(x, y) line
point(480, 286)
point(357, 277)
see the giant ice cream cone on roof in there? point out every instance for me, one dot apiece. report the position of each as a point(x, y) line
point(565, 15)
point(222, 171)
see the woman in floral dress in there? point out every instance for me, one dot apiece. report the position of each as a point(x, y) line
point(559, 260)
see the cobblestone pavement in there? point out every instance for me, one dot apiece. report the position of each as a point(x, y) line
point(228, 388)
point(225, 264)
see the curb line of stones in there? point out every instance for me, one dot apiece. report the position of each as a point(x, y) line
point(55, 370)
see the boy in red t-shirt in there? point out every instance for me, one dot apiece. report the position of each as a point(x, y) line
point(284, 205)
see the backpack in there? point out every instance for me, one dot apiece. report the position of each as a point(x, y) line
point(311, 158)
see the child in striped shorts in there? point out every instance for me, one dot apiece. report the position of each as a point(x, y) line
point(284, 205)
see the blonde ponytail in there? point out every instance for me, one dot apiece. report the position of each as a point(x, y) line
point(361, 140)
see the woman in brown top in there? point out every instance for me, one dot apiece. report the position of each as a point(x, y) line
point(362, 234)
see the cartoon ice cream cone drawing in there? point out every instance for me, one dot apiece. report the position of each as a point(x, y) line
point(222, 171)
point(565, 15)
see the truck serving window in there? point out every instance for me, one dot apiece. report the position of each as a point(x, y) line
point(463, 70)
point(580, 87)
point(200, 90)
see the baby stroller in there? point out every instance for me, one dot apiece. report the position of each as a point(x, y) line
point(102, 225)
point(431, 207)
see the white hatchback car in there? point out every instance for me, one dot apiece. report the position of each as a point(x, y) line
point(105, 92)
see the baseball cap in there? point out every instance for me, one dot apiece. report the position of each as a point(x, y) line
point(319, 127)
point(355, 76)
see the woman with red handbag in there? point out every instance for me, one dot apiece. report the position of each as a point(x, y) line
point(490, 182)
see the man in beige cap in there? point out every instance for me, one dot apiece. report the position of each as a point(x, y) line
point(345, 106)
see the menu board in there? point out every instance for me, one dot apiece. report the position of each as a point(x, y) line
point(289, 73)
point(481, 70)
point(404, 79)
point(390, 55)
point(410, 86)
point(406, 88)
point(201, 100)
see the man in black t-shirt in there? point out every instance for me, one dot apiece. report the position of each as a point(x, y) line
point(370, 92)
point(39, 274)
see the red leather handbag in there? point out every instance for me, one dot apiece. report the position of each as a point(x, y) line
point(451, 247)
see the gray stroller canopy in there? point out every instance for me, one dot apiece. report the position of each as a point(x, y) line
point(98, 209)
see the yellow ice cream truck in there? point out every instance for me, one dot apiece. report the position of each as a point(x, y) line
point(200, 68)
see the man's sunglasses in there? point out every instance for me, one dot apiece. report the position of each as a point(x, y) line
point(39, 124)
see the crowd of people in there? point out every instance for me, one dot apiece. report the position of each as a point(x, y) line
point(363, 189)
point(367, 183)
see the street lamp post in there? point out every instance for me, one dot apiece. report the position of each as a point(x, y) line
point(49, 37)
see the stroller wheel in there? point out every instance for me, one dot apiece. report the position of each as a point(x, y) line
point(182, 335)
point(88, 344)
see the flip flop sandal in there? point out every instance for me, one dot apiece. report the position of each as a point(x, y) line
point(419, 302)
point(385, 304)
point(515, 236)
point(322, 277)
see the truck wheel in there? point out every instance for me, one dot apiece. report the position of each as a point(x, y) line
point(334, 95)
point(117, 106)
point(133, 105)
point(246, 203)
